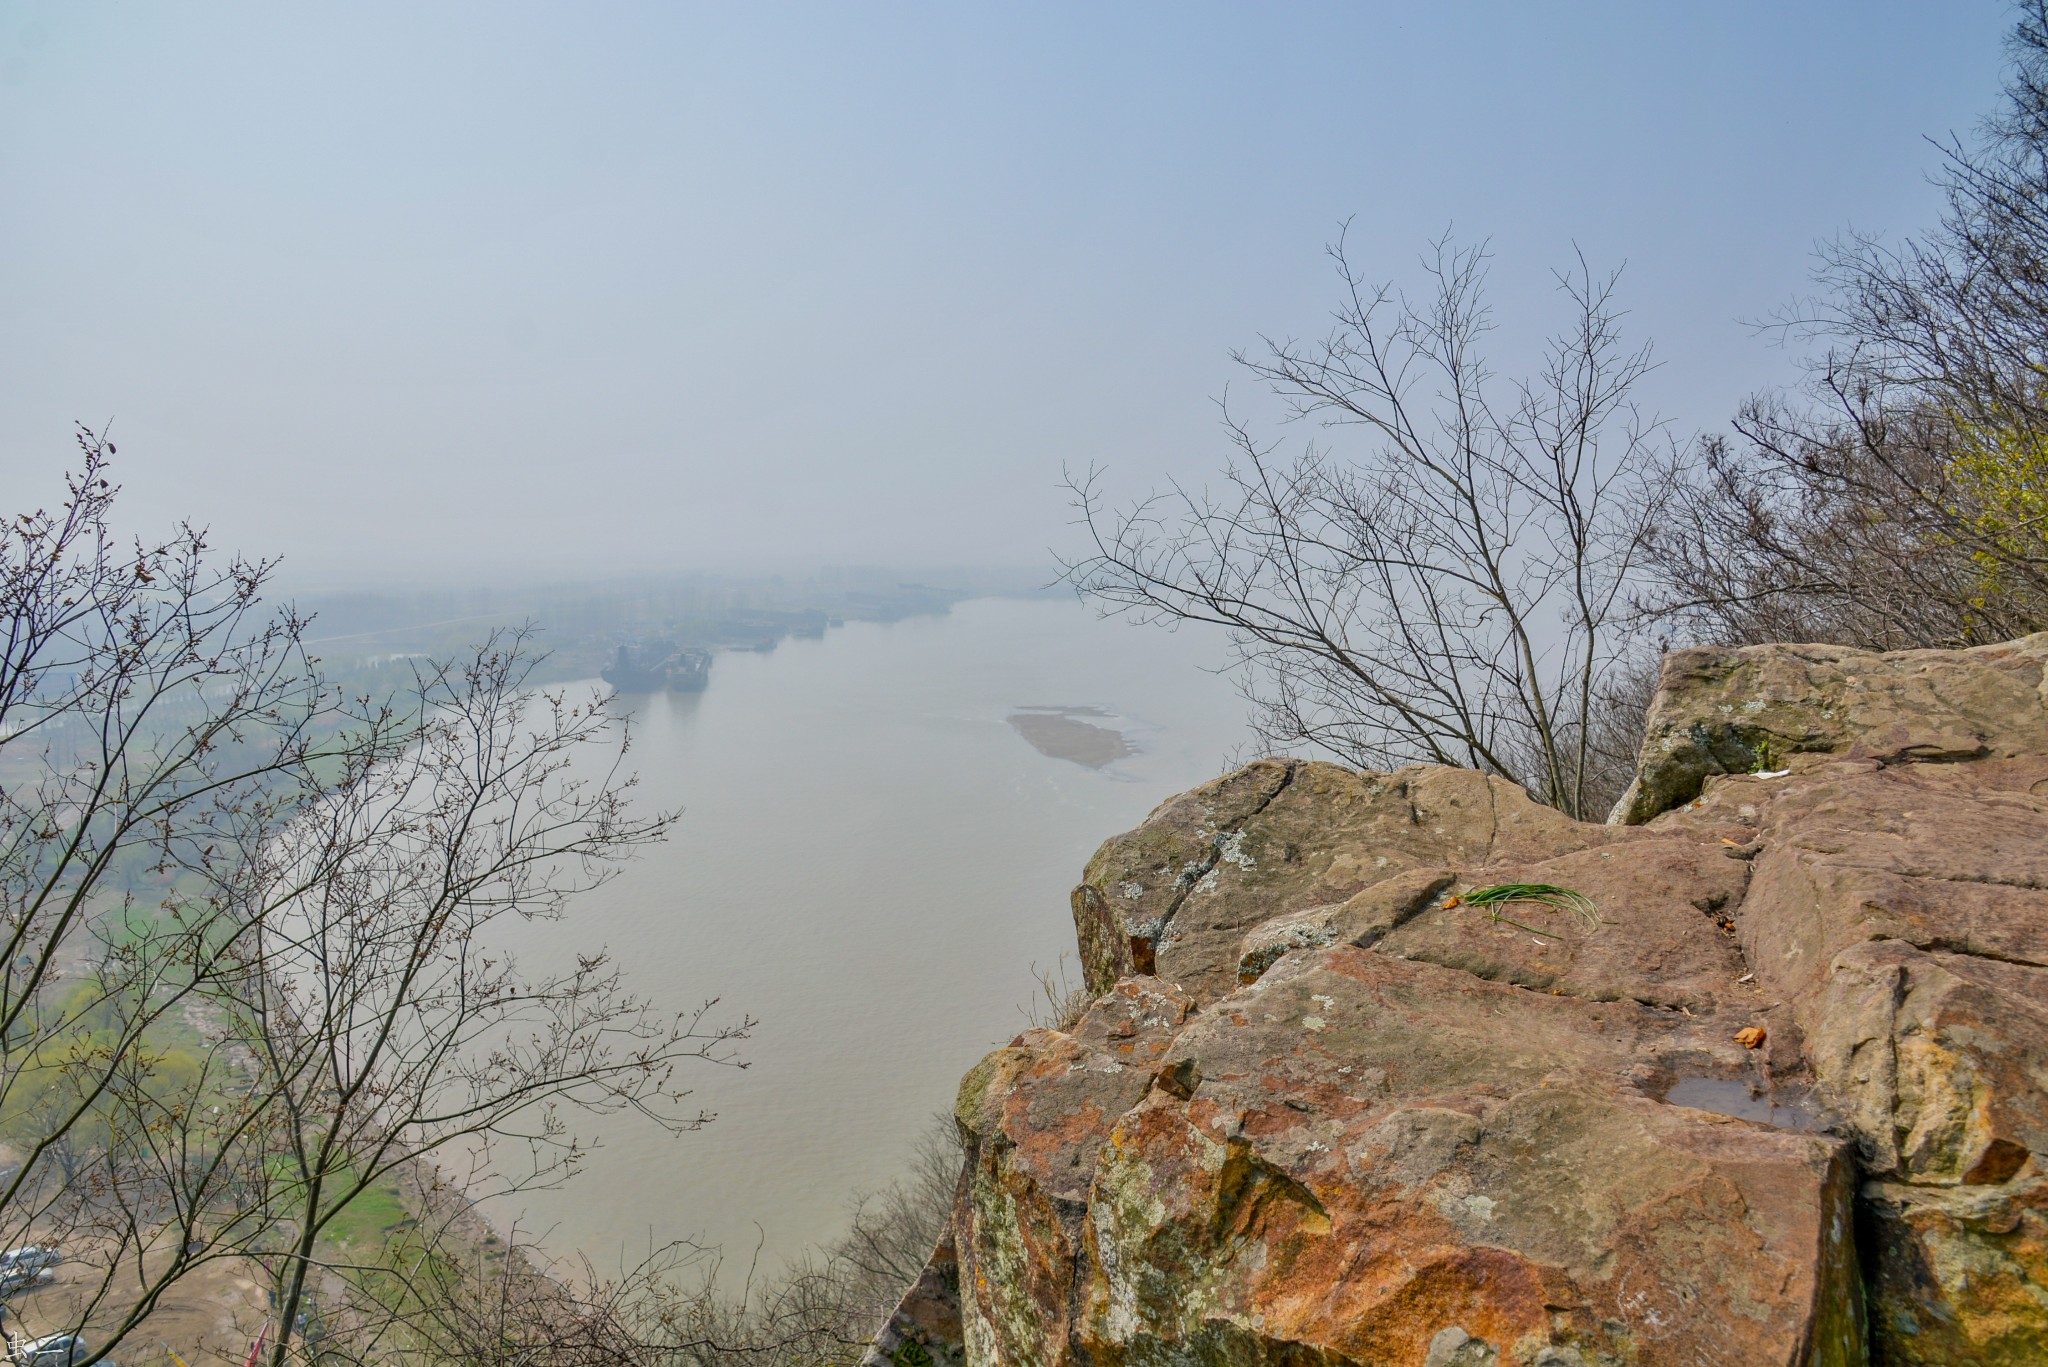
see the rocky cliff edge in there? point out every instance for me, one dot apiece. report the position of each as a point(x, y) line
point(1785, 1103)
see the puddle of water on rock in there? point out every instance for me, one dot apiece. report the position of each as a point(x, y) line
point(1733, 1097)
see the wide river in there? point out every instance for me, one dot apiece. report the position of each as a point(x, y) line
point(871, 860)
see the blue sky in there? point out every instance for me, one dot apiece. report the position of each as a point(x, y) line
point(471, 290)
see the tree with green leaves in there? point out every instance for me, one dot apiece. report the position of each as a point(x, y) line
point(1899, 499)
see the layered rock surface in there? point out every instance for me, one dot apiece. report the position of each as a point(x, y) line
point(1323, 1114)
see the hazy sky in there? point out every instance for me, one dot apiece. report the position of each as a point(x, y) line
point(574, 288)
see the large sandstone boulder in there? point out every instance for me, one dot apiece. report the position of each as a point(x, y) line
point(1785, 1102)
point(1176, 896)
point(1372, 1153)
point(1721, 711)
point(1900, 911)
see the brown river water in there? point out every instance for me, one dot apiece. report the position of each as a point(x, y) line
point(873, 857)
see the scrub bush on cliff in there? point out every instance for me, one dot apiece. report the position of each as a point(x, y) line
point(1437, 572)
point(455, 1302)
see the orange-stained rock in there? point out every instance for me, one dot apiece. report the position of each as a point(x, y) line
point(1379, 1152)
point(1033, 1117)
point(1956, 1276)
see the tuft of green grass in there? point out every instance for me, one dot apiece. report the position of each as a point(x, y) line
point(1549, 896)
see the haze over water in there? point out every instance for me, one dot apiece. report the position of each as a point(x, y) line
point(871, 860)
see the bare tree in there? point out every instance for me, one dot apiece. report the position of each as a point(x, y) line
point(199, 839)
point(1438, 574)
point(384, 1024)
point(151, 714)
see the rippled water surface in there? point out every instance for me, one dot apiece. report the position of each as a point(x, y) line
point(871, 860)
